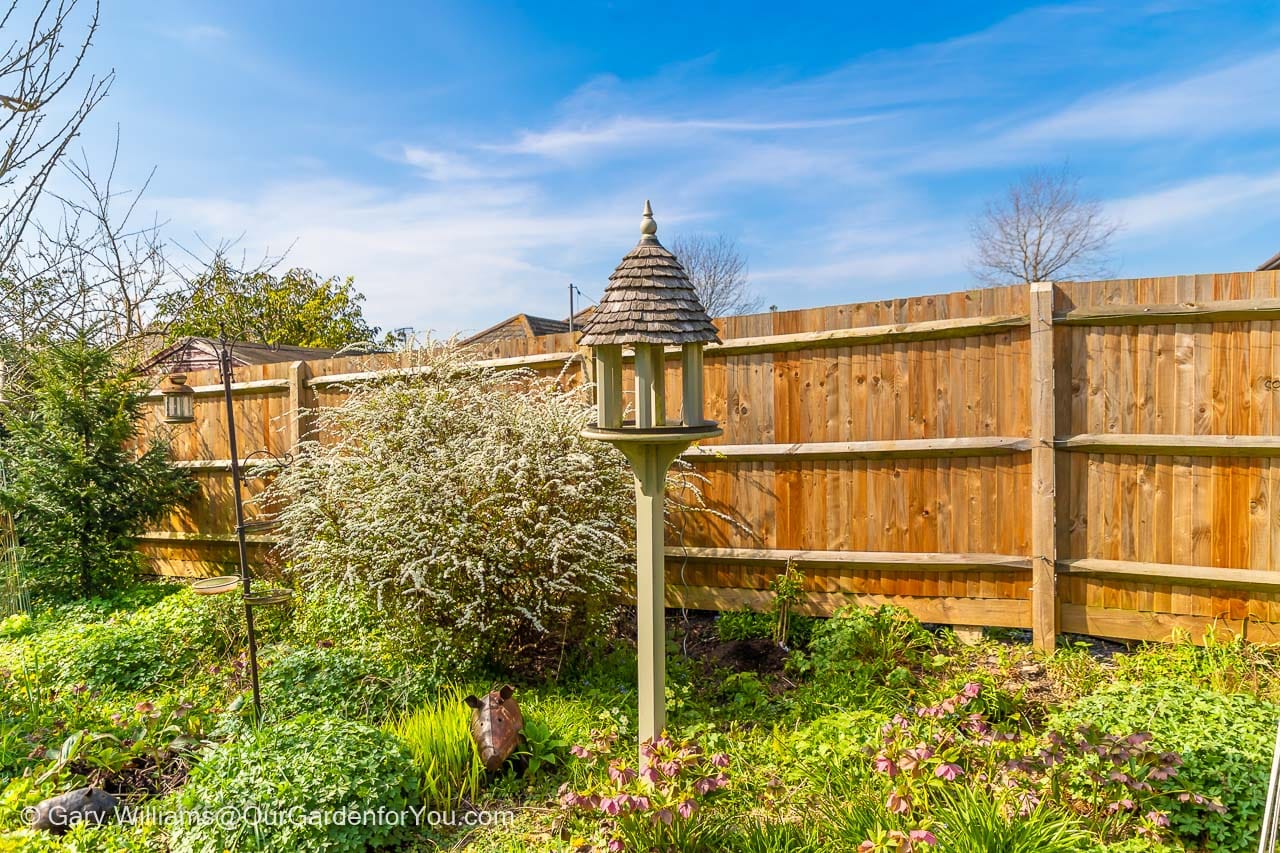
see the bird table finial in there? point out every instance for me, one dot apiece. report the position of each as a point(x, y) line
point(648, 227)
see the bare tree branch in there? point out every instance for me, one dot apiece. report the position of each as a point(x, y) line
point(718, 271)
point(1042, 229)
point(36, 125)
point(90, 272)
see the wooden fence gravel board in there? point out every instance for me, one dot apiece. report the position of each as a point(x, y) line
point(912, 427)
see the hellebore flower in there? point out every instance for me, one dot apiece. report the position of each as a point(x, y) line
point(950, 772)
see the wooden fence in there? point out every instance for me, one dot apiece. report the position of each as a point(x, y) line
point(1095, 457)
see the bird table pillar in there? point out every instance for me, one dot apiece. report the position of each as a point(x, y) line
point(649, 306)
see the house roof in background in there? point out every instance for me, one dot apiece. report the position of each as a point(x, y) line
point(1272, 264)
point(198, 353)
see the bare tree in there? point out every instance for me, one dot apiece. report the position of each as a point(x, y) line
point(718, 270)
point(86, 268)
point(37, 123)
point(1042, 229)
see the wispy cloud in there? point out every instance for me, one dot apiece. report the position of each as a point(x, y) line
point(842, 185)
point(438, 259)
point(634, 131)
point(1221, 196)
point(1239, 97)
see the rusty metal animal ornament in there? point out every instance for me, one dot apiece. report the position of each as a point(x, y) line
point(496, 726)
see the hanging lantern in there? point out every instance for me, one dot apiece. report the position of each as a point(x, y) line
point(649, 306)
point(179, 400)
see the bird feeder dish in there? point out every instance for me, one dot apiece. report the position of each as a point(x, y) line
point(216, 586)
point(179, 400)
point(269, 598)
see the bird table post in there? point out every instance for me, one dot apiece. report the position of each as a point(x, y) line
point(648, 306)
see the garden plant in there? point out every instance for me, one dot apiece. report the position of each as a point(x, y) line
point(458, 534)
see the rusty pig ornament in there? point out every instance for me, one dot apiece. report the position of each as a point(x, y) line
point(496, 726)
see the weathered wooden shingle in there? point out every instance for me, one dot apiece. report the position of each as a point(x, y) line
point(649, 299)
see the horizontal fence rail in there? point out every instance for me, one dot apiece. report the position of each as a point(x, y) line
point(1094, 457)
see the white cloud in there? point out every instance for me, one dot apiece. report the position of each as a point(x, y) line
point(1205, 198)
point(1239, 97)
point(442, 260)
point(440, 165)
point(575, 138)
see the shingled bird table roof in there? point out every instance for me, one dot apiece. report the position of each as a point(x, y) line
point(649, 299)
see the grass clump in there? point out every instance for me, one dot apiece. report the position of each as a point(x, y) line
point(438, 737)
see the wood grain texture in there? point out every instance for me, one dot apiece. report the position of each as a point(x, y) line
point(907, 427)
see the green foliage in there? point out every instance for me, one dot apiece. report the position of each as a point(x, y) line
point(315, 764)
point(466, 506)
point(760, 836)
point(344, 682)
point(970, 820)
point(743, 625)
point(438, 736)
point(1227, 666)
point(1226, 745)
point(14, 626)
point(786, 588)
point(95, 645)
point(993, 702)
point(295, 309)
point(543, 749)
point(133, 650)
point(879, 646)
point(79, 492)
point(655, 804)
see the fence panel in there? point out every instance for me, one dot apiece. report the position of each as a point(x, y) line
point(929, 452)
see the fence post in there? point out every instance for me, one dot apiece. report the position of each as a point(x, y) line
point(299, 402)
point(1044, 586)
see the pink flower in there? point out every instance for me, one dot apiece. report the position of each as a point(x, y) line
point(867, 846)
point(611, 806)
point(885, 764)
point(616, 846)
point(950, 772)
point(898, 803)
point(670, 769)
point(720, 759)
point(687, 808)
point(971, 690)
point(621, 775)
point(650, 775)
point(579, 751)
point(707, 784)
point(663, 816)
point(144, 707)
point(913, 758)
point(640, 803)
point(1158, 818)
point(922, 836)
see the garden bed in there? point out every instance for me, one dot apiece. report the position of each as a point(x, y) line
point(872, 732)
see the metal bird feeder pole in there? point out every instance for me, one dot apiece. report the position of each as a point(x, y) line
point(224, 362)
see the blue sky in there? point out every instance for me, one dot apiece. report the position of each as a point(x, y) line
point(464, 161)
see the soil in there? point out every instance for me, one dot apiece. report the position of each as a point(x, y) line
point(699, 641)
point(141, 776)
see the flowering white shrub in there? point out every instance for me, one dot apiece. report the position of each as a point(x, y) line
point(465, 505)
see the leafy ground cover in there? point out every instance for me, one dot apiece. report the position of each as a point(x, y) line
point(869, 732)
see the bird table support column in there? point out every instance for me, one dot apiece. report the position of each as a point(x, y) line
point(650, 463)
